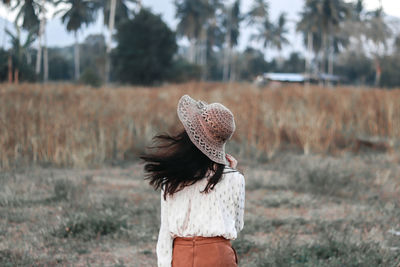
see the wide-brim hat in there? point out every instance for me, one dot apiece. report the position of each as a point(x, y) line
point(208, 126)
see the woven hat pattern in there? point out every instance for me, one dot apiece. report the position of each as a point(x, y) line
point(208, 126)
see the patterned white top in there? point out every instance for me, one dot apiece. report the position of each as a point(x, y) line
point(192, 213)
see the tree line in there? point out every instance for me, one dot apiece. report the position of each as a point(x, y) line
point(339, 38)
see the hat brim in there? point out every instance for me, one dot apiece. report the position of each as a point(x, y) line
point(189, 112)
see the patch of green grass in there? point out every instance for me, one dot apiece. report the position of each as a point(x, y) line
point(329, 248)
point(92, 224)
point(324, 179)
point(267, 226)
point(10, 258)
point(63, 189)
point(113, 217)
point(16, 217)
point(244, 246)
point(329, 253)
point(280, 200)
point(275, 203)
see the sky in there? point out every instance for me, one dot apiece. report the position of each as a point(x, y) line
point(58, 36)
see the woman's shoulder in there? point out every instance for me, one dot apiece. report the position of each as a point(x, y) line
point(234, 175)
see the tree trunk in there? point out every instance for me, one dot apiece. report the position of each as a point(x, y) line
point(3, 43)
point(331, 55)
point(309, 52)
point(227, 52)
point(280, 60)
point(10, 75)
point(325, 48)
point(320, 55)
point(378, 71)
point(16, 74)
point(204, 53)
point(227, 56)
point(325, 56)
point(197, 51)
point(45, 61)
point(192, 50)
point(39, 54)
point(76, 56)
point(307, 69)
point(233, 63)
point(28, 57)
point(39, 48)
point(111, 22)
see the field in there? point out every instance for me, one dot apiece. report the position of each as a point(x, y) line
point(67, 125)
point(322, 173)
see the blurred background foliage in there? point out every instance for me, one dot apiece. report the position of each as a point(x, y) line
point(137, 47)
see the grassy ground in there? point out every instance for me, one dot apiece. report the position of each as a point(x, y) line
point(300, 211)
point(67, 199)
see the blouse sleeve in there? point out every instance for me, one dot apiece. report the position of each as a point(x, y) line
point(164, 243)
point(239, 222)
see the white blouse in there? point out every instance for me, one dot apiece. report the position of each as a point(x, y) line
point(190, 213)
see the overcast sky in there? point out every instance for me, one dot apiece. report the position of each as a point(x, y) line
point(57, 35)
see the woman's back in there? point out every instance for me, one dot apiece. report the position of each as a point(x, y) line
point(191, 213)
point(217, 213)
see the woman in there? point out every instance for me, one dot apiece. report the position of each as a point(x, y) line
point(202, 195)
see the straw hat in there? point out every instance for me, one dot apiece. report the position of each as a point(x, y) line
point(208, 126)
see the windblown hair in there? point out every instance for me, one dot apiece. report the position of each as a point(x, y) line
point(177, 163)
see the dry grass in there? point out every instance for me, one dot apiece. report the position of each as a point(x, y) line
point(68, 125)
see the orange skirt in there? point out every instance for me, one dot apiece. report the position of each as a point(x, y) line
point(203, 252)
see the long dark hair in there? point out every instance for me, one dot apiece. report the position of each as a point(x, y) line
point(177, 162)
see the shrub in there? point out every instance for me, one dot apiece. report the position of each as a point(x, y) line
point(12, 258)
point(92, 224)
point(90, 77)
point(63, 189)
point(183, 71)
point(324, 178)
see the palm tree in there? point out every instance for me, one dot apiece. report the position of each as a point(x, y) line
point(7, 4)
point(18, 50)
point(28, 11)
point(323, 19)
point(192, 15)
point(121, 10)
point(214, 37)
point(310, 26)
point(231, 23)
point(279, 36)
point(77, 14)
point(114, 12)
point(377, 32)
point(334, 12)
point(265, 34)
point(258, 12)
point(273, 35)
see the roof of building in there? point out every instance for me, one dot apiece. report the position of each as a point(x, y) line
point(285, 77)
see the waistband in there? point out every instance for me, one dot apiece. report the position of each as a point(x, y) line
point(198, 240)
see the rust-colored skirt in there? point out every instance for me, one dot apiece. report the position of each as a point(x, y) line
point(203, 252)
